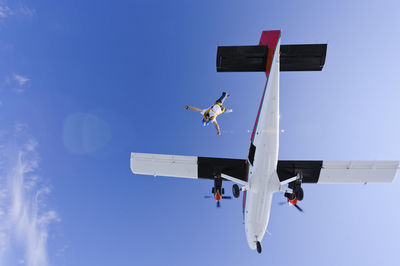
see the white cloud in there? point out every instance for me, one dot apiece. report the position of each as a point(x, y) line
point(20, 79)
point(24, 217)
point(26, 11)
point(15, 82)
point(15, 8)
point(5, 11)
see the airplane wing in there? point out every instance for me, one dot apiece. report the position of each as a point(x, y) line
point(187, 166)
point(339, 172)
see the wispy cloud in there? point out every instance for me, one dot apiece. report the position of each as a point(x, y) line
point(20, 79)
point(5, 11)
point(15, 82)
point(26, 11)
point(15, 8)
point(24, 217)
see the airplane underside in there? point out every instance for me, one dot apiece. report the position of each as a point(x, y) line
point(262, 174)
point(263, 179)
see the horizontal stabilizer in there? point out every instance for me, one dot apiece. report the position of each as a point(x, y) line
point(302, 57)
point(339, 172)
point(187, 166)
point(294, 57)
point(242, 58)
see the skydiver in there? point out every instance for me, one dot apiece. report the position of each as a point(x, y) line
point(210, 114)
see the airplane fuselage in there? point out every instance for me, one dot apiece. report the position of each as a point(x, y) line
point(263, 178)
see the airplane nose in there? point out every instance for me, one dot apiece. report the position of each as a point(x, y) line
point(251, 237)
point(252, 243)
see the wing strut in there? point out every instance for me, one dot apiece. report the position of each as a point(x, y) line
point(235, 180)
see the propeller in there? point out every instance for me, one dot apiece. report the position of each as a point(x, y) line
point(211, 197)
point(218, 202)
point(295, 205)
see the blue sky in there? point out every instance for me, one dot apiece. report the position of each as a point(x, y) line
point(84, 83)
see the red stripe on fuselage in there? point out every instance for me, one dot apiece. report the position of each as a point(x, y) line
point(244, 201)
point(244, 192)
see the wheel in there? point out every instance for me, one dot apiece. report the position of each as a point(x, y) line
point(235, 191)
point(213, 190)
point(299, 194)
point(223, 191)
point(259, 247)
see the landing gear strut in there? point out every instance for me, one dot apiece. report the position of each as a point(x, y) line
point(259, 247)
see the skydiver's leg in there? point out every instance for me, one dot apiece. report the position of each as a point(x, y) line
point(222, 98)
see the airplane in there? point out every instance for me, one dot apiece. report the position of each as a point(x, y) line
point(262, 174)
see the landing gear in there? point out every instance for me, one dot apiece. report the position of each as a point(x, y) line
point(299, 193)
point(259, 247)
point(290, 196)
point(235, 191)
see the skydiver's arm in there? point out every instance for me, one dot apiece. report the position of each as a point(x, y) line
point(216, 126)
point(193, 108)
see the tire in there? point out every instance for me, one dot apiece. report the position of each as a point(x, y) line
point(213, 190)
point(235, 191)
point(222, 191)
point(259, 249)
point(299, 194)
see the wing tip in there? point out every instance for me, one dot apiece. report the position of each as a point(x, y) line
point(132, 163)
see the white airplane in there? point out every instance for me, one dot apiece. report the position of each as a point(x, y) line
point(262, 174)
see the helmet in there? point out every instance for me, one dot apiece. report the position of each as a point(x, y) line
point(205, 123)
